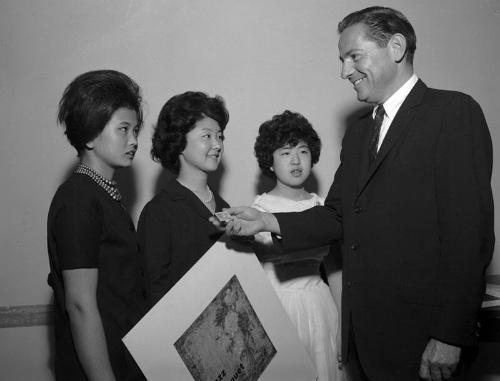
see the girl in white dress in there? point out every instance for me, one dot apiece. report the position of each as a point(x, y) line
point(286, 149)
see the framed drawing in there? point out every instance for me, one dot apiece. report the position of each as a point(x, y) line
point(221, 321)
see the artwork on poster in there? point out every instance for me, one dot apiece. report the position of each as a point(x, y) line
point(221, 321)
point(227, 340)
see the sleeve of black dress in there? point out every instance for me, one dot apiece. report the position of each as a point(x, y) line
point(154, 231)
point(78, 227)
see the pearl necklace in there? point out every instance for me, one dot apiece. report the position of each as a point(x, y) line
point(207, 201)
point(210, 197)
point(109, 186)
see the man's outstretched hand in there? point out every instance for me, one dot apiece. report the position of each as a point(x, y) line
point(247, 221)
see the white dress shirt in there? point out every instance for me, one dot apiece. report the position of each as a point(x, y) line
point(392, 106)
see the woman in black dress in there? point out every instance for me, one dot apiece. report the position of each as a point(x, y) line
point(95, 269)
point(174, 228)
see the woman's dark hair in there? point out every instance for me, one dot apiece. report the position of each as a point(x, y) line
point(90, 100)
point(381, 24)
point(177, 117)
point(283, 129)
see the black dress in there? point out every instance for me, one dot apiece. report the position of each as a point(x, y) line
point(86, 228)
point(174, 232)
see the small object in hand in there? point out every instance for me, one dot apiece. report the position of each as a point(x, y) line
point(223, 217)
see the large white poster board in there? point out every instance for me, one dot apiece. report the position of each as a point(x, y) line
point(224, 303)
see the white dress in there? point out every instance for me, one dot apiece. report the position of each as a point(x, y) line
point(305, 297)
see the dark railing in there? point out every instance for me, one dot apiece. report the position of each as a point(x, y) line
point(41, 314)
point(25, 316)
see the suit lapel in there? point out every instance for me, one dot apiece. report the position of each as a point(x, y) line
point(402, 121)
point(364, 162)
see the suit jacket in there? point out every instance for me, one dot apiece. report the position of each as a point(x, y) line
point(415, 229)
point(174, 232)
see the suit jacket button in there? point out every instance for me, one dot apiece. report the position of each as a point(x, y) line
point(358, 209)
point(354, 247)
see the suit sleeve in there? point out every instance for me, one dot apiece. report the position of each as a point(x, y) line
point(465, 215)
point(318, 226)
point(154, 235)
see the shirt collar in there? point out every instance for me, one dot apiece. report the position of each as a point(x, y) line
point(395, 101)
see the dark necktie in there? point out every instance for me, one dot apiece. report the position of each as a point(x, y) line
point(377, 123)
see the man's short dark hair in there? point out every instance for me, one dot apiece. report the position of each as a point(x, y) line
point(381, 24)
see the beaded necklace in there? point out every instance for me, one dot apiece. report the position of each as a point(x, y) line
point(207, 202)
point(109, 186)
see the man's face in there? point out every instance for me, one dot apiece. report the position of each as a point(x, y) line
point(371, 69)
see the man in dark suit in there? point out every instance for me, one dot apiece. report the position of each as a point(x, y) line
point(411, 206)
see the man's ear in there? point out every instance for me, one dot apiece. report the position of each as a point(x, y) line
point(89, 146)
point(397, 45)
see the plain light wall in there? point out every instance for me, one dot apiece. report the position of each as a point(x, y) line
point(262, 56)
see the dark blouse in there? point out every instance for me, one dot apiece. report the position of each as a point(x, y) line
point(174, 232)
point(87, 229)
